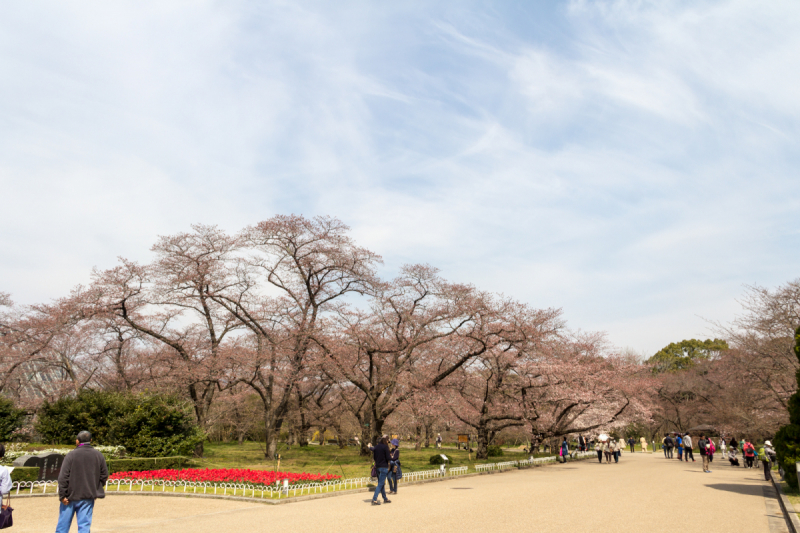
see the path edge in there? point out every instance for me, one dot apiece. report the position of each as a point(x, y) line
point(786, 506)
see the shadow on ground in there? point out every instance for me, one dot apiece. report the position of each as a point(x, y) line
point(749, 490)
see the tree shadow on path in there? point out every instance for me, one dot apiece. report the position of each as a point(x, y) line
point(748, 490)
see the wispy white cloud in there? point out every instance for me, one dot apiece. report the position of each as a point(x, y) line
point(631, 162)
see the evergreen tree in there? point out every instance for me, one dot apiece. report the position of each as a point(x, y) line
point(787, 440)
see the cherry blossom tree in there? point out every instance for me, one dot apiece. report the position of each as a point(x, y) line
point(291, 273)
point(170, 301)
point(574, 385)
point(419, 330)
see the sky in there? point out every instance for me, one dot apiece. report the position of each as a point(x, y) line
point(634, 163)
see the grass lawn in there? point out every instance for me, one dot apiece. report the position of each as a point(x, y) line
point(792, 494)
point(329, 458)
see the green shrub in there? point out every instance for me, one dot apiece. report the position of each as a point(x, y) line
point(787, 439)
point(147, 425)
point(494, 451)
point(25, 473)
point(437, 459)
point(11, 419)
point(143, 464)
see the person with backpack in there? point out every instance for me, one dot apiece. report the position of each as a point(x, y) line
point(768, 457)
point(749, 454)
point(679, 445)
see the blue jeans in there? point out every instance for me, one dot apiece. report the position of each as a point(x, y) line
point(379, 489)
point(82, 508)
point(392, 478)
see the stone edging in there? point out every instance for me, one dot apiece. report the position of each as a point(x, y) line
point(295, 498)
point(788, 509)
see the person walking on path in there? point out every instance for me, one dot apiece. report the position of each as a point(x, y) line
point(617, 449)
point(644, 444)
point(632, 444)
point(382, 457)
point(667, 444)
point(679, 445)
point(722, 448)
point(598, 447)
point(687, 448)
point(394, 466)
point(563, 450)
point(607, 450)
point(704, 447)
point(749, 453)
point(80, 482)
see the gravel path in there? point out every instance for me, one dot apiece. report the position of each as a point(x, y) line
point(644, 492)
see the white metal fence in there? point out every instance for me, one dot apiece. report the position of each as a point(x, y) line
point(200, 487)
point(274, 491)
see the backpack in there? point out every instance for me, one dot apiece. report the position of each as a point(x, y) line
point(749, 451)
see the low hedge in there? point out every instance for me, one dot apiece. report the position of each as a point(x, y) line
point(137, 464)
point(25, 473)
point(141, 464)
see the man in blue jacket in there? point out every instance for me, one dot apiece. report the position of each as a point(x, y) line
point(81, 481)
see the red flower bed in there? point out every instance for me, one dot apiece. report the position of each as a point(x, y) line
point(226, 475)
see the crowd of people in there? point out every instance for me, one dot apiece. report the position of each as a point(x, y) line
point(681, 445)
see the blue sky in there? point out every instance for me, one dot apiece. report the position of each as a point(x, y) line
point(634, 163)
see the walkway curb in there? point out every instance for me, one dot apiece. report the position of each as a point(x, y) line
point(786, 506)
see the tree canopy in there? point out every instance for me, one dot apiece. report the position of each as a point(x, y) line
point(685, 354)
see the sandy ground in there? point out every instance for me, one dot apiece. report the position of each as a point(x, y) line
point(644, 492)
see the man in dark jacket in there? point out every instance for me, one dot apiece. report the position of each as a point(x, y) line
point(668, 445)
point(81, 480)
point(703, 444)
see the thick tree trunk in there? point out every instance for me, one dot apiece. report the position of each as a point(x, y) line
point(428, 428)
point(302, 431)
point(366, 434)
point(377, 428)
point(482, 451)
point(271, 433)
point(199, 449)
